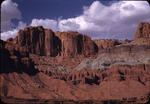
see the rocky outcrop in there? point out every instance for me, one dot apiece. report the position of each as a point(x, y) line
point(15, 59)
point(106, 43)
point(143, 31)
point(142, 35)
point(39, 41)
point(137, 72)
point(84, 76)
point(74, 44)
point(120, 82)
point(45, 42)
point(120, 71)
point(124, 54)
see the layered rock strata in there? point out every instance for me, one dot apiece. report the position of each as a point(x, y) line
point(45, 42)
point(67, 69)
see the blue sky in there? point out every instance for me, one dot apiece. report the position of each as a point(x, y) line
point(53, 9)
point(96, 18)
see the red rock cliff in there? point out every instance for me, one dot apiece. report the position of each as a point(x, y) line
point(74, 44)
point(106, 43)
point(45, 42)
point(39, 41)
point(142, 35)
point(143, 31)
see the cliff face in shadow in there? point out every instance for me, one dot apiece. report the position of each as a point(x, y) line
point(15, 59)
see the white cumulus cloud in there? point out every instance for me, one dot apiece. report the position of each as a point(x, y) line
point(46, 23)
point(9, 11)
point(118, 20)
point(13, 33)
point(9, 34)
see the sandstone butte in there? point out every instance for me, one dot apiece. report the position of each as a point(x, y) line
point(40, 41)
point(40, 65)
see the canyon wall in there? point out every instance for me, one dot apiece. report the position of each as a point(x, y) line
point(45, 42)
point(40, 64)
